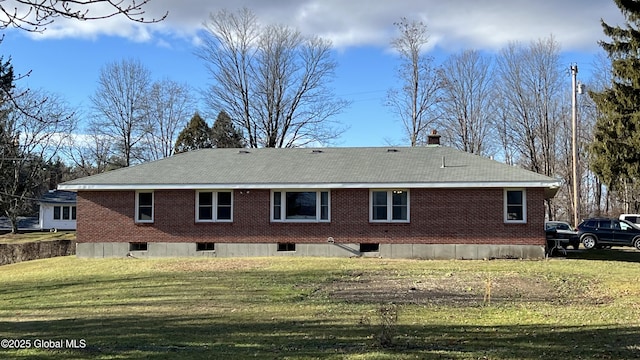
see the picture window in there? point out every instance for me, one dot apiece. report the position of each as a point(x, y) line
point(300, 206)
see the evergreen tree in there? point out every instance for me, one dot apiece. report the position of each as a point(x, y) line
point(615, 151)
point(196, 135)
point(224, 134)
point(9, 147)
point(6, 80)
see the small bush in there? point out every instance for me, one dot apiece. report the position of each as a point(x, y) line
point(388, 315)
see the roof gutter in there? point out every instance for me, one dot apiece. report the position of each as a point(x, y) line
point(552, 186)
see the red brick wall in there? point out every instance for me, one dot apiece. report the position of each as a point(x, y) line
point(438, 216)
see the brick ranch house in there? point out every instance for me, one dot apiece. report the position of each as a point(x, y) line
point(423, 202)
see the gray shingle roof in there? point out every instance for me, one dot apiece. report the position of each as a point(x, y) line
point(321, 167)
point(58, 197)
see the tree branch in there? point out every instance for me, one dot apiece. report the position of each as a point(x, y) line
point(35, 15)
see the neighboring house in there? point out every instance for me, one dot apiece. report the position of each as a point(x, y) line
point(58, 210)
point(395, 202)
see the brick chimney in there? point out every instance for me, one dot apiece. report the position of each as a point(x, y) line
point(433, 139)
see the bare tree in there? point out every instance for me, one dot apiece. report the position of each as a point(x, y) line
point(414, 103)
point(28, 144)
point(35, 15)
point(89, 152)
point(595, 199)
point(170, 105)
point(468, 106)
point(271, 80)
point(502, 127)
point(531, 86)
point(120, 106)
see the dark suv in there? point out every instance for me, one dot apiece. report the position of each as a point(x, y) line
point(608, 232)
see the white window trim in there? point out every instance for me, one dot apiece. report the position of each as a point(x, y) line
point(283, 206)
point(153, 206)
point(53, 213)
point(62, 207)
point(214, 206)
point(524, 207)
point(389, 206)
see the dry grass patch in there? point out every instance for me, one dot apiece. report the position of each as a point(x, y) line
point(198, 265)
point(37, 236)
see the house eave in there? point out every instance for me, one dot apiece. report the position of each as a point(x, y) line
point(552, 186)
point(56, 202)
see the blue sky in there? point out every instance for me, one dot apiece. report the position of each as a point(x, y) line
point(67, 57)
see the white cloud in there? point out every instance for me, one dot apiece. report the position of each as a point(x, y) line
point(453, 25)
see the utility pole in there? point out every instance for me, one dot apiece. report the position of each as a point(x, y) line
point(574, 143)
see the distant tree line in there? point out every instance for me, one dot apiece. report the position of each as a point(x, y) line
point(514, 106)
point(271, 88)
point(35, 125)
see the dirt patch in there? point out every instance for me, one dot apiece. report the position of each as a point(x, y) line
point(453, 290)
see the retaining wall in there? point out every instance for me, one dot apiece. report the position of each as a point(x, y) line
point(13, 253)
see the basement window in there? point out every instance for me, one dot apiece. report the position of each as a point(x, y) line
point(286, 247)
point(207, 246)
point(365, 248)
point(138, 246)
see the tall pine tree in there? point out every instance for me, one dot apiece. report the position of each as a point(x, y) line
point(9, 147)
point(615, 151)
point(224, 134)
point(197, 135)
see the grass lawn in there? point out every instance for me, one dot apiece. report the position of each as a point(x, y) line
point(318, 308)
point(36, 236)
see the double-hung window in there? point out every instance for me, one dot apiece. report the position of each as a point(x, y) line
point(300, 206)
point(144, 206)
point(389, 206)
point(515, 206)
point(214, 206)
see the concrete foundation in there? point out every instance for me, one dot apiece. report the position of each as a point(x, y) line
point(398, 251)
